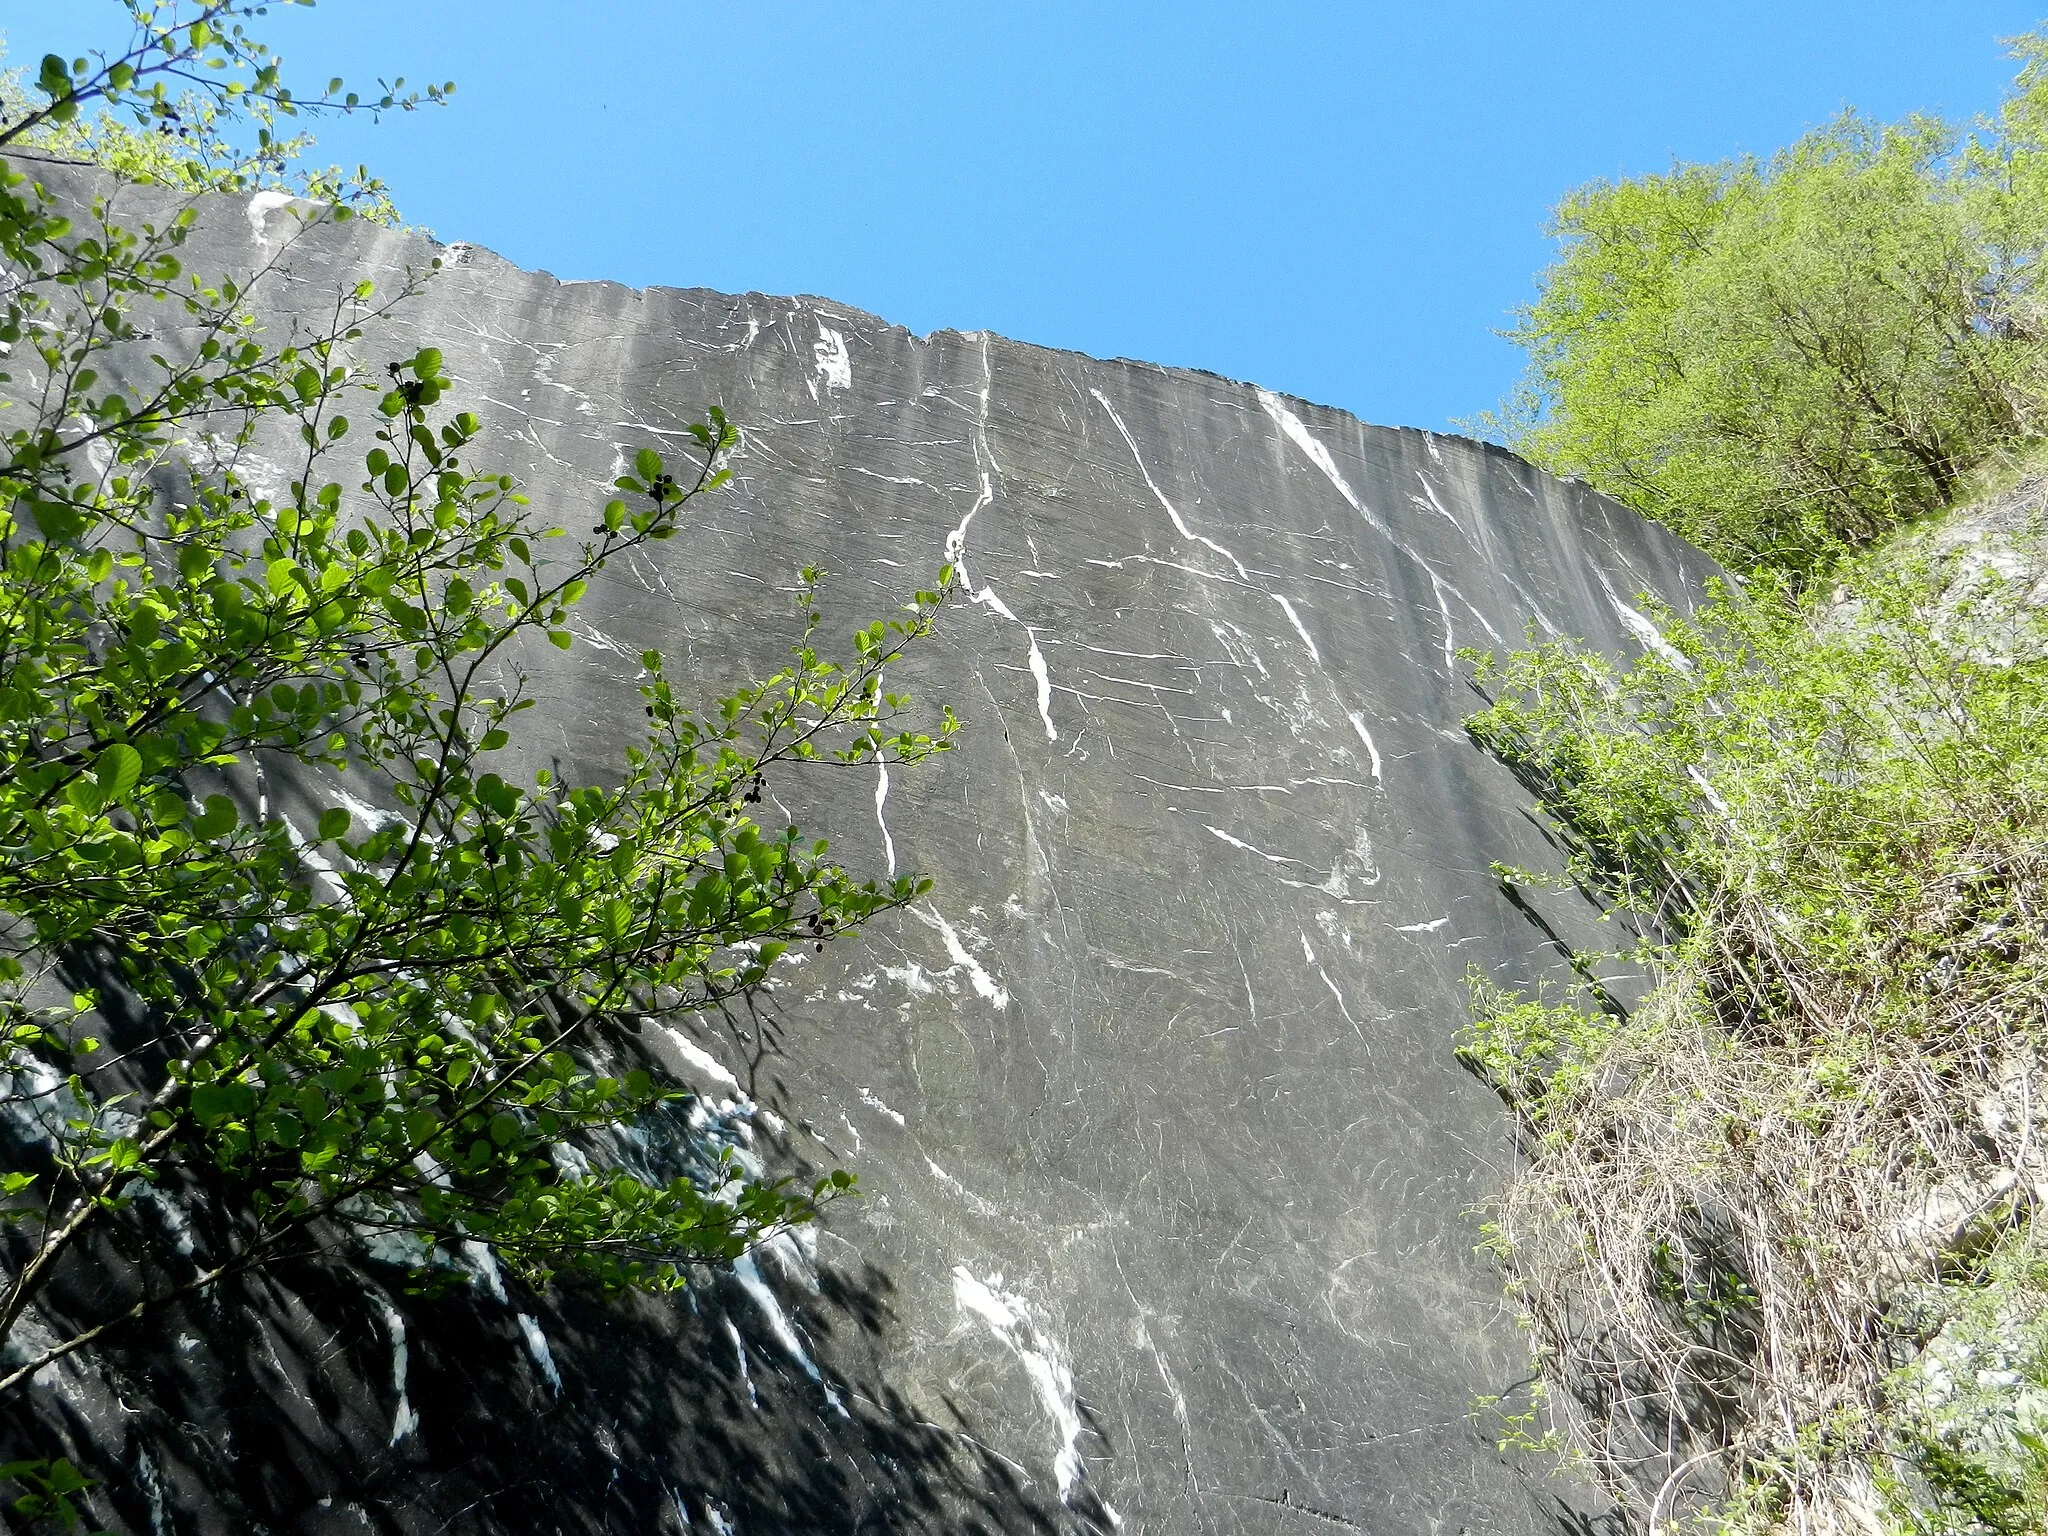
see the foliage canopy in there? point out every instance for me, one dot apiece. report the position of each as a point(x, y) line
point(290, 931)
point(1783, 358)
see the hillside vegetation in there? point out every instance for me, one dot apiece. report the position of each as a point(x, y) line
point(1779, 358)
point(1776, 1236)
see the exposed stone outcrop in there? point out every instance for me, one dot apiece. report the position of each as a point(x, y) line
point(1166, 1159)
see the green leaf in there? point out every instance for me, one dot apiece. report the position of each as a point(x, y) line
point(214, 1103)
point(83, 793)
point(59, 521)
point(334, 823)
point(118, 769)
point(217, 819)
point(647, 465)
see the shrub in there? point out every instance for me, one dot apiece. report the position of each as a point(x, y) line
point(1783, 358)
point(1822, 825)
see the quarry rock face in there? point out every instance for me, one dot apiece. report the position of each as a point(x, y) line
point(1167, 1167)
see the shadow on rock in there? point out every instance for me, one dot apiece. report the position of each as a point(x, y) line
point(315, 1400)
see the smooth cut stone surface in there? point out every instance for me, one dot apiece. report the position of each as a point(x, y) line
point(1168, 1171)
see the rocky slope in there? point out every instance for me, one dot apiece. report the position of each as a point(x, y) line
point(1166, 1159)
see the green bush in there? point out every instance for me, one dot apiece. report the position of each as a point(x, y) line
point(1823, 827)
point(1783, 358)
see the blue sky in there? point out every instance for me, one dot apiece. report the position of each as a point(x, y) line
point(1339, 200)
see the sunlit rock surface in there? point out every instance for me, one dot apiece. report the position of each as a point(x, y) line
point(1167, 1166)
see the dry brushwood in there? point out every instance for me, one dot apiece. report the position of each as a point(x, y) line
point(1834, 842)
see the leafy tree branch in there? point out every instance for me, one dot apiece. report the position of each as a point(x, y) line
point(411, 1009)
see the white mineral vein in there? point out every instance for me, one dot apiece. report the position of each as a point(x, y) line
point(1009, 1318)
point(956, 555)
point(1180, 524)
